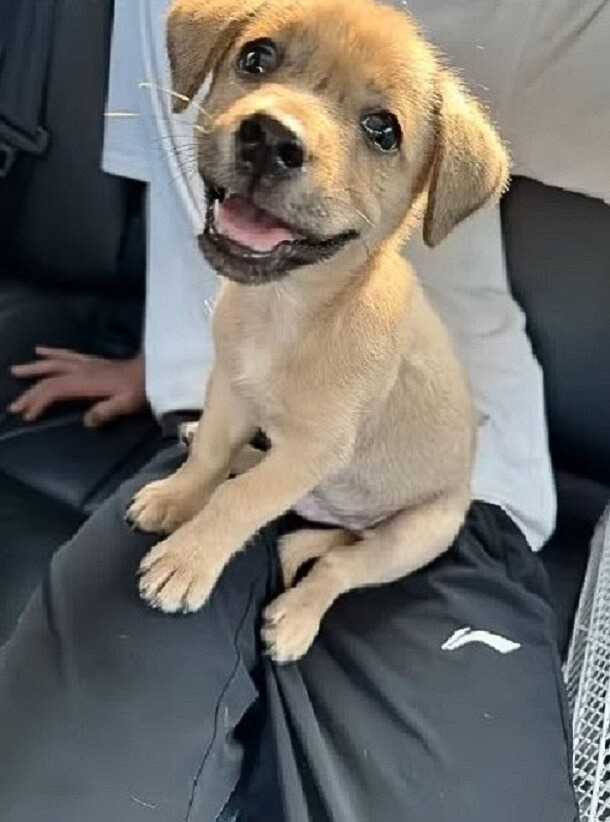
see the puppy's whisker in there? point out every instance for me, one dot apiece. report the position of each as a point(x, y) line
point(362, 216)
point(178, 139)
point(185, 173)
point(171, 118)
point(170, 146)
point(187, 168)
point(132, 115)
point(358, 211)
point(182, 157)
point(182, 97)
point(350, 207)
point(181, 152)
point(121, 115)
point(184, 149)
point(194, 127)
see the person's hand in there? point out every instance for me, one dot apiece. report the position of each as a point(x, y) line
point(116, 387)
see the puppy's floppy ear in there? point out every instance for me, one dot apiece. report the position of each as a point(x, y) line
point(470, 164)
point(198, 33)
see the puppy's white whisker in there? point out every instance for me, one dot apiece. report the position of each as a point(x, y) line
point(351, 207)
point(175, 123)
point(179, 139)
point(183, 97)
point(180, 150)
point(171, 92)
point(187, 167)
point(363, 216)
point(122, 114)
point(184, 174)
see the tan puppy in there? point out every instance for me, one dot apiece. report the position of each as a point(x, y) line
point(330, 128)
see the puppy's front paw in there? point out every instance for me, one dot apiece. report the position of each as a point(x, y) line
point(292, 622)
point(175, 577)
point(160, 507)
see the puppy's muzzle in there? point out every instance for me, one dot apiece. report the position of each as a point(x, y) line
point(267, 151)
point(256, 227)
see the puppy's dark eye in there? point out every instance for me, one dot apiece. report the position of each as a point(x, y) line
point(258, 57)
point(383, 130)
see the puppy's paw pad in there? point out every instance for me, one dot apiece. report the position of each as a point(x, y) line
point(290, 627)
point(156, 508)
point(173, 580)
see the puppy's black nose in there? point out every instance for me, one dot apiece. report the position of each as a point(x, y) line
point(267, 148)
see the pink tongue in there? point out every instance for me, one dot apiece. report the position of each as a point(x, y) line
point(249, 226)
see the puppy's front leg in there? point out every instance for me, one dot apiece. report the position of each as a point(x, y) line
point(223, 429)
point(394, 549)
point(180, 573)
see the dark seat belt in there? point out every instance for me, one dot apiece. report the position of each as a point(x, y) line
point(26, 36)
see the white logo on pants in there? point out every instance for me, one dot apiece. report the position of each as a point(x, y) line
point(467, 636)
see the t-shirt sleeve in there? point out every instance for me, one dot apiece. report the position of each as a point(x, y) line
point(126, 150)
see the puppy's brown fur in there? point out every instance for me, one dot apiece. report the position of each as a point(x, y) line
point(343, 364)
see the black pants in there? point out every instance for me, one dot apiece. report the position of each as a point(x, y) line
point(111, 711)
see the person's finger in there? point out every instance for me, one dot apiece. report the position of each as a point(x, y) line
point(61, 353)
point(41, 368)
point(108, 410)
point(28, 400)
point(18, 405)
point(40, 397)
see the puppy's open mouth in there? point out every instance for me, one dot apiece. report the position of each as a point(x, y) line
point(250, 245)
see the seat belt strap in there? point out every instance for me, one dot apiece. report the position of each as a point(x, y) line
point(26, 36)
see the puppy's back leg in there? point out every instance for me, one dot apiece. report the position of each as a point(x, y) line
point(312, 543)
point(394, 549)
point(245, 460)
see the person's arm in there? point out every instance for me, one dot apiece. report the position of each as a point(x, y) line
point(115, 387)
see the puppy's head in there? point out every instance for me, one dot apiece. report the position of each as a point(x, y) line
point(324, 123)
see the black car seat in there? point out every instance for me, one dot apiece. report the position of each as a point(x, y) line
point(558, 251)
point(72, 275)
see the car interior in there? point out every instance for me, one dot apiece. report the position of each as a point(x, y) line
point(72, 268)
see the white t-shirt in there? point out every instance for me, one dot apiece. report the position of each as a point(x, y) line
point(509, 53)
point(145, 141)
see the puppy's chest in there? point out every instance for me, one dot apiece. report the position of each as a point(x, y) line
point(255, 365)
point(257, 357)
